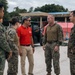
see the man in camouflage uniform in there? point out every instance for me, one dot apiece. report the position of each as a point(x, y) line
point(52, 39)
point(4, 47)
point(13, 41)
point(71, 44)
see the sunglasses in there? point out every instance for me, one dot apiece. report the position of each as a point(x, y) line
point(28, 20)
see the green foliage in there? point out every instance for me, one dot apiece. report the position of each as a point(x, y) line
point(17, 11)
point(31, 9)
point(51, 8)
point(4, 2)
point(14, 14)
point(23, 11)
point(37, 9)
point(45, 8)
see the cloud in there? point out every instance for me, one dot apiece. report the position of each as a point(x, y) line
point(38, 3)
point(11, 5)
point(11, 2)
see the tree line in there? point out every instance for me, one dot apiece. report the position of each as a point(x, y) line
point(45, 8)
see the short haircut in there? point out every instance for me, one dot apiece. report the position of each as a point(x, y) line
point(25, 18)
point(51, 15)
point(73, 12)
point(14, 21)
point(1, 5)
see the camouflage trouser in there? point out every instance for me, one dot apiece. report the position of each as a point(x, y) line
point(72, 65)
point(2, 65)
point(13, 64)
point(51, 54)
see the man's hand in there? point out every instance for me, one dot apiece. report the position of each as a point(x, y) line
point(56, 48)
point(44, 47)
point(20, 52)
point(10, 55)
point(33, 50)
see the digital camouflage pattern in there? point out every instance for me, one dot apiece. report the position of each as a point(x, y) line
point(53, 36)
point(71, 50)
point(71, 43)
point(12, 39)
point(4, 47)
point(51, 54)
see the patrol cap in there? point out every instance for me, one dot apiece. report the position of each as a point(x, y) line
point(25, 18)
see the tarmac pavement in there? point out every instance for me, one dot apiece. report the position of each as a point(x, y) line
point(39, 62)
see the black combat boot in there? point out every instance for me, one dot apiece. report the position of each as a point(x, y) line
point(12, 74)
point(48, 73)
point(30, 74)
point(73, 74)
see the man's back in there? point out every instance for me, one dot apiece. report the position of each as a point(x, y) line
point(12, 39)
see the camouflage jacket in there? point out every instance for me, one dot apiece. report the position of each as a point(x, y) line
point(53, 33)
point(71, 43)
point(4, 47)
point(12, 39)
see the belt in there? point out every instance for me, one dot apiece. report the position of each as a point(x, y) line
point(26, 45)
point(51, 42)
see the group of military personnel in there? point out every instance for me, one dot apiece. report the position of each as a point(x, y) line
point(9, 45)
point(53, 37)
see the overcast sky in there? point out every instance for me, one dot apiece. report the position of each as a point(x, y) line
point(70, 4)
